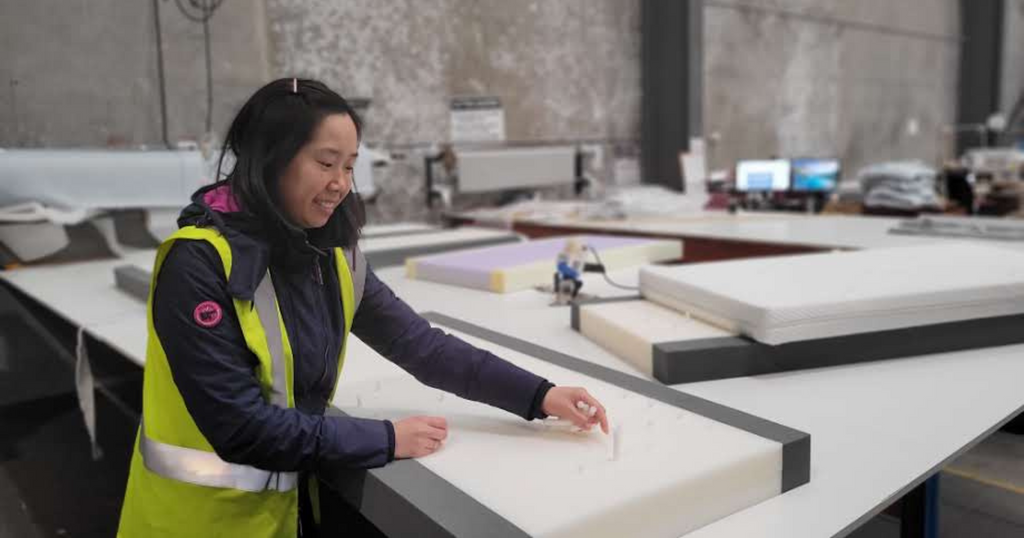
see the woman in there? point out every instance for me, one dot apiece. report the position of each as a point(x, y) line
point(250, 306)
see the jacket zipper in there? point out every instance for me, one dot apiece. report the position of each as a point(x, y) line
point(319, 276)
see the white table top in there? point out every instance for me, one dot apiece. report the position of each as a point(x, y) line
point(86, 295)
point(877, 429)
point(824, 231)
point(374, 230)
point(83, 293)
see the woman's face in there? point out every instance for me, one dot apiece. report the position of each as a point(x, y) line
point(320, 175)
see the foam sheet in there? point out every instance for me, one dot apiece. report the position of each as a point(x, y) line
point(390, 249)
point(675, 349)
point(509, 268)
point(631, 329)
point(814, 296)
point(677, 468)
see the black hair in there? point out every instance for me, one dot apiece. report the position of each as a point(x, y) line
point(266, 134)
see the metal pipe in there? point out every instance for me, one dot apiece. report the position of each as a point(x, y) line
point(160, 74)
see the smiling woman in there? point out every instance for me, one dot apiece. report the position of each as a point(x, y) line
point(320, 175)
point(250, 308)
point(295, 144)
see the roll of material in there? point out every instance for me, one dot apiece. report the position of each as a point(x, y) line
point(100, 179)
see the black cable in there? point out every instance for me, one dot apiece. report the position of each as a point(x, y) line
point(604, 272)
point(161, 82)
point(209, 75)
point(205, 9)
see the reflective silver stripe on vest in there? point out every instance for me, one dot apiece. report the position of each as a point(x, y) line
point(206, 468)
point(357, 267)
point(266, 310)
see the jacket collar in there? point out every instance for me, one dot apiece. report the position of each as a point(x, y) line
point(256, 244)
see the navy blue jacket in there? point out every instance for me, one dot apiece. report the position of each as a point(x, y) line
point(214, 369)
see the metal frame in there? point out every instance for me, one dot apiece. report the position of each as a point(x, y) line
point(672, 58)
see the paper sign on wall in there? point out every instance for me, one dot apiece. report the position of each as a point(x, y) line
point(477, 119)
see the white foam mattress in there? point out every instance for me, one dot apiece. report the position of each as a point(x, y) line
point(793, 298)
point(514, 267)
point(631, 329)
point(388, 242)
point(676, 470)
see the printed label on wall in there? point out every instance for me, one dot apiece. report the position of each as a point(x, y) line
point(477, 119)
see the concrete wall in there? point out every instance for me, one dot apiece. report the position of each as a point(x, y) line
point(82, 73)
point(786, 77)
point(566, 69)
point(829, 77)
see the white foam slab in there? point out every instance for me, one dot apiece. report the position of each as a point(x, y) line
point(397, 228)
point(440, 237)
point(676, 470)
point(792, 298)
point(30, 241)
point(631, 329)
point(515, 267)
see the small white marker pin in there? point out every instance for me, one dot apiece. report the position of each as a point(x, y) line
point(614, 442)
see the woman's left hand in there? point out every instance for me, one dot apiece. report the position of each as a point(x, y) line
point(562, 403)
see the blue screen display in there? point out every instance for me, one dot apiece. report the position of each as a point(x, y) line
point(815, 174)
point(760, 181)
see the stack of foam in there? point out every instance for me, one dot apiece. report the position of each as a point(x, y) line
point(515, 267)
point(962, 227)
point(793, 312)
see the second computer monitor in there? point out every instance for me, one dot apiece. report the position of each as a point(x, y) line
point(815, 175)
point(765, 175)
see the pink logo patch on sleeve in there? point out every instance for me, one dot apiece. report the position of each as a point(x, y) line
point(208, 314)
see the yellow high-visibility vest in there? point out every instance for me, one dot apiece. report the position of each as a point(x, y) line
point(177, 485)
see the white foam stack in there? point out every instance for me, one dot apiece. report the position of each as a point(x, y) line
point(664, 471)
point(631, 329)
point(794, 298)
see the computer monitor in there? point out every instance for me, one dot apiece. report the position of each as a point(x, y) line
point(767, 175)
point(815, 175)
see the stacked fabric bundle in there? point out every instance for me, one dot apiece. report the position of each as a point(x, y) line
point(901, 185)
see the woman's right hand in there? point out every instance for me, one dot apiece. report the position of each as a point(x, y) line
point(416, 437)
